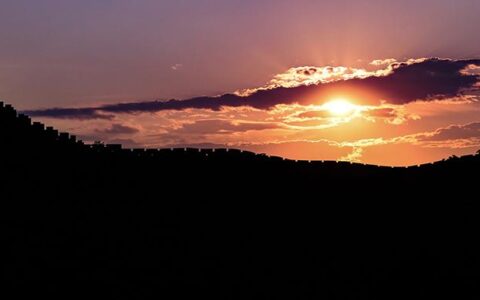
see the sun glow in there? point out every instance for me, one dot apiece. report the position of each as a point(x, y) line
point(339, 107)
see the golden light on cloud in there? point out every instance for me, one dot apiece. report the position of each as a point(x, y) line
point(340, 107)
point(353, 114)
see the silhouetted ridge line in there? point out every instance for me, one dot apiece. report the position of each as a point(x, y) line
point(37, 131)
point(80, 220)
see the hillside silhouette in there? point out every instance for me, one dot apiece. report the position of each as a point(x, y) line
point(101, 221)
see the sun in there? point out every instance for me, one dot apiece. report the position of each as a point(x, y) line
point(339, 107)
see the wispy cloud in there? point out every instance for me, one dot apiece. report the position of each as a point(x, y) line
point(117, 129)
point(354, 156)
point(215, 126)
point(470, 131)
point(176, 67)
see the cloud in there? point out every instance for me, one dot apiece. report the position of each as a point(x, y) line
point(216, 131)
point(453, 137)
point(199, 146)
point(119, 129)
point(87, 113)
point(453, 132)
point(222, 127)
point(314, 114)
point(176, 67)
point(299, 149)
point(472, 69)
point(400, 83)
point(310, 75)
point(391, 114)
point(382, 112)
point(127, 143)
point(354, 156)
point(383, 62)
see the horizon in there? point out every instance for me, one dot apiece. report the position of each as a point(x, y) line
point(207, 149)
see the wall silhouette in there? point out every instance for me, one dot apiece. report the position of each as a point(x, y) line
point(98, 220)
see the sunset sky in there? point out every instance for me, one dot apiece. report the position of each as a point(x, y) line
point(374, 81)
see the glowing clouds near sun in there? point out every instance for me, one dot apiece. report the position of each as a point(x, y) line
point(310, 75)
point(429, 108)
point(340, 107)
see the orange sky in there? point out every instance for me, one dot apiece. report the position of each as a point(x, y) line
point(336, 123)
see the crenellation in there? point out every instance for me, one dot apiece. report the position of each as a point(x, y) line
point(24, 119)
point(51, 132)
point(38, 126)
point(9, 111)
point(113, 147)
point(63, 137)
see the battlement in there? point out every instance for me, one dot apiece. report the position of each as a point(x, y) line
point(7, 111)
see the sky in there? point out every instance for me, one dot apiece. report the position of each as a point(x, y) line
point(373, 81)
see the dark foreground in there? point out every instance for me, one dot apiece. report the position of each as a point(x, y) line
point(95, 221)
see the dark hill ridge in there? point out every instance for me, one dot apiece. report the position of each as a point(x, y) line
point(93, 220)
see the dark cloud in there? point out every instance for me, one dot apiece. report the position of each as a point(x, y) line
point(430, 79)
point(118, 129)
point(86, 113)
point(423, 80)
point(454, 132)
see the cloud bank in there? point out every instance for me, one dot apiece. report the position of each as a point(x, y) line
point(399, 83)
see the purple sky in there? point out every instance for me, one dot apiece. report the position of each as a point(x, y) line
point(87, 52)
